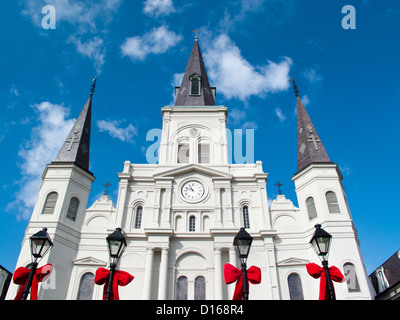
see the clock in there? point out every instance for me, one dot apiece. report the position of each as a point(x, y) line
point(192, 190)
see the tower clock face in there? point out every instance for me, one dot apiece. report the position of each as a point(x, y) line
point(192, 190)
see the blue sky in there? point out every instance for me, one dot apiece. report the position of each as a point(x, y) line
point(348, 79)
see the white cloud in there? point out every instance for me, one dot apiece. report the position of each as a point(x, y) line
point(158, 7)
point(93, 49)
point(87, 17)
point(114, 130)
point(157, 41)
point(42, 148)
point(312, 75)
point(237, 78)
point(280, 114)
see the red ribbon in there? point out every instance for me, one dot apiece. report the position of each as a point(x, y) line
point(21, 276)
point(232, 274)
point(316, 272)
point(121, 278)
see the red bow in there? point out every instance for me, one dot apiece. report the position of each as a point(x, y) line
point(121, 278)
point(21, 276)
point(232, 274)
point(316, 272)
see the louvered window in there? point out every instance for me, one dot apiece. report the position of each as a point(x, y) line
point(333, 204)
point(183, 153)
point(50, 204)
point(73, 209)
point(195, 82)
point(204, 153)
point(312, 211)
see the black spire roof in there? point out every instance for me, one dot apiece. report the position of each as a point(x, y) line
point(310, 148)
point(195, 67)
point(77, 145)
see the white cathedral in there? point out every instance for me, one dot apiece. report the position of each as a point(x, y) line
point(180, 216)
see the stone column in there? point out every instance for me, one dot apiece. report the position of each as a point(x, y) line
point(217, 274)
point(148, 274)
point(162, 283)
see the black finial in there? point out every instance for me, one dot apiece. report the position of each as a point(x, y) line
point(93, 86)
point(296, 91)
point(279, 185)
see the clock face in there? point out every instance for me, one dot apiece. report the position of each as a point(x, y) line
point(192, 190)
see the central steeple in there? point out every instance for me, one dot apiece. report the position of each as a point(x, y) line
point(195, 89)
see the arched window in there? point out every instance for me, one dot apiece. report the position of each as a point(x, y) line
point(183, 152)
point(312, 211)
point(246, 219)
point(73, 209)
point(86, 287)
point(351, 277)
point(295, 288)
point(138, 218)
point(192, 224)
point(200, 288)
point(333, 204)
point(50, 203)
point(204, 152)
point(195, 85)
point(182, 288)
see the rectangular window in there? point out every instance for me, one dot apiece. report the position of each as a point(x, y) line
point(183, 153)
point(204, 153)
point(195, 86)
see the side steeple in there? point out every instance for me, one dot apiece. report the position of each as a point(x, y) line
point(195, 89)
point(76, 147)
point(310, 148)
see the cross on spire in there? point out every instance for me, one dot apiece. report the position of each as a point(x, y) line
point(196, 32)
point(279, 185)
point(107, 185)
point(314, 140)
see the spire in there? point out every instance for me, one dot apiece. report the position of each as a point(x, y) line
point(77, 145)
point(309, 146)
point(195, 89)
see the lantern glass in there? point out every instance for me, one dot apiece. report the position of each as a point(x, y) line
point(321, 241)
point(116, 243)
point(40, 244)
point(242, 243)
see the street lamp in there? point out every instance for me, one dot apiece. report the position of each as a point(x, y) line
point(321, 243)
point(116, 247)
point(242, 243)
point(40, 244)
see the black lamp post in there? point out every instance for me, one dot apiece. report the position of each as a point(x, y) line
point(321, 242)
point(116, 247)
point(40, 244)
point(242, 243)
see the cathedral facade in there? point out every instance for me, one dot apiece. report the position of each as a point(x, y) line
point(180, 216)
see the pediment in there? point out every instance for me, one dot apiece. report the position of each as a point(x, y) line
point(194, 168)
point(292, 262)
point(90, 261)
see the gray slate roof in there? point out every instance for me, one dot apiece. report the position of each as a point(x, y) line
point(310, 148)
point(76, 147)
point(195, 66)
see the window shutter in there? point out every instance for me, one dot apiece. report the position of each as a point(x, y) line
point(312, 211)
point(333, 204)
point(50, 203)
point(183, 153)
point(73, 209)
point(204, 153)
